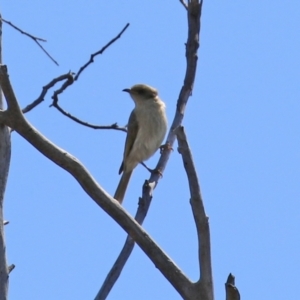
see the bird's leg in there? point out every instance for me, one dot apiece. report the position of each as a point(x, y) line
point(162, 148)
point(143, 164)
point(152, 170)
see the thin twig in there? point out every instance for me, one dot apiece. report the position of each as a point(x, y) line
point(192, 45)
point(23, 32)
point(55, 104)
point(91, 60)
point(114, 126)
point(45, 89)
point(69, 80)
point(34, 38)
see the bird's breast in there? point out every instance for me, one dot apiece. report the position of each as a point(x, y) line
point(152, 124)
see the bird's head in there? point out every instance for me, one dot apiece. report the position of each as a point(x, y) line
point(142, 92)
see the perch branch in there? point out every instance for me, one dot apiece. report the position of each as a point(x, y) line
point(14, 118)
point(192, 45)
point(34, 38)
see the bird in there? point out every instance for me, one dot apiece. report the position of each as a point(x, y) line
point(146, 129)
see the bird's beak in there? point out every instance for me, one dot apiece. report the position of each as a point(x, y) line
point(126, 90)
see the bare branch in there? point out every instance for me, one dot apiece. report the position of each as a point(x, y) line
point(14, 118)
point(69, 80)
point(100, 51)
point(72, 79)
point(23, 32)
point(11, 267)
point(5, 155)
point(45, 89)
point(55, 104)
point(232, 293)
point(184, 4)
point(115, 271)
point(34, 38)
point(200, 217)
point(192, 45)
point(114, 126)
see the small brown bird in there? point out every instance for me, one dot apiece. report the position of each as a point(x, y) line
point(146, 129)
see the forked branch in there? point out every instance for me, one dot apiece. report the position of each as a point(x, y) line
point(34, 38)
point(68, 80)
point(14, 118)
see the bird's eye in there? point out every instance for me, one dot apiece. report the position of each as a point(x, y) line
point(140, 91)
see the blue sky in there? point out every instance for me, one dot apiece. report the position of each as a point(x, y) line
point(242, 122)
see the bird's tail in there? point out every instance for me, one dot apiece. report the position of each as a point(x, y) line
point(122, 186)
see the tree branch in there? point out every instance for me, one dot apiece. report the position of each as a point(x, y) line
point(5, 154)
point(69, 79)
point(34, 38)
point(91, 60)
point(192, 45)
point(184, 4)
point(116, 270)
point(201, 220)
point(14, 118)
point(55, 104)
point(45, 90)
point(10, 268)
point(232, 293)
point(72, 79)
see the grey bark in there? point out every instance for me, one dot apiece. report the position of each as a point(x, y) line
point(232, 293)
point(5, 151)
point(203, 289)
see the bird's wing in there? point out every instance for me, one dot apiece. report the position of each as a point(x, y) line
point(132, 131)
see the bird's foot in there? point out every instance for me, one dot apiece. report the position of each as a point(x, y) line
point(164, 147)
